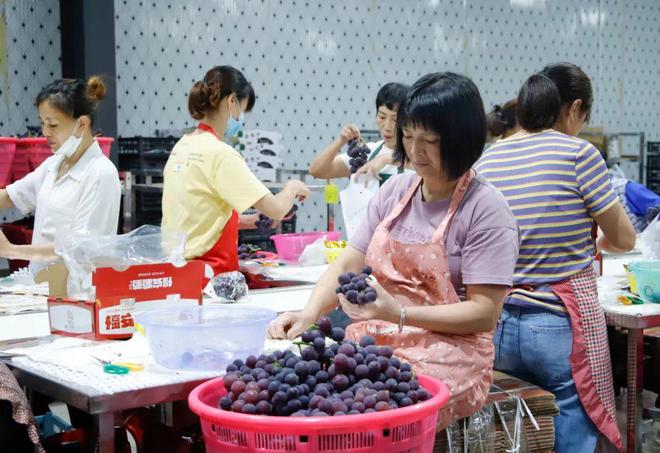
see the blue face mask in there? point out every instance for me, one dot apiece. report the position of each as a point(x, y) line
point(233, 126)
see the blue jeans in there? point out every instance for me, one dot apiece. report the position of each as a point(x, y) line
point(535, 345)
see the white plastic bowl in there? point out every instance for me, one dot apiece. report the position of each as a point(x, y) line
point(205, 338)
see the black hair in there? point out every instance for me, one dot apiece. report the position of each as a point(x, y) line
point(390, 95)
point(449, 105)
point(251, 98)
point(543, 94)
point(502, 118)
point(74, 97)
point(218, 83)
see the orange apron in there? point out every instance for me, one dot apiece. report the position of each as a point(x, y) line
point(418, 274)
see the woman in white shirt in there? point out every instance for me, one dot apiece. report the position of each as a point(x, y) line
point(75, 190)
point(380, 164)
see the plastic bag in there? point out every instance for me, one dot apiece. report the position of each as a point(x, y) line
point(474, 434)
point(649, 240)
point(313, 254)
point(83, 253)
point(227, 287)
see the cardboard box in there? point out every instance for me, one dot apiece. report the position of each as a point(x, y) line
point(120, 293)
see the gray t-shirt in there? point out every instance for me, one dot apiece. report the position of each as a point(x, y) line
point(482, 241)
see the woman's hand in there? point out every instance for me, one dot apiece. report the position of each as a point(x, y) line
point(289, 325)
point(385, 308)
point(348, 133)
point(369, 171)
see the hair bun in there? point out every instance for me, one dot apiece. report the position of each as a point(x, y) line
point(96, 88)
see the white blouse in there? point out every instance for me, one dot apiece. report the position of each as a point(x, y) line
point(85, 199)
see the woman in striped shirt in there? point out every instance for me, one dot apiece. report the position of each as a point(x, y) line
point(552, 330)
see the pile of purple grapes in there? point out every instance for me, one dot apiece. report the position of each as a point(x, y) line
point(341, 379)
point(355, 288)
point(358, 151)
point(264, 224)
point(249, 252)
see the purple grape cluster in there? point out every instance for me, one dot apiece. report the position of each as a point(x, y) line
point(358, 151)
point(249, 252)
point(355, 288)
point(344, 378)
point(264, 224)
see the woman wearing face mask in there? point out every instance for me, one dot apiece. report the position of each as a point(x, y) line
point(552, 330)
point(77, 189)
point(442, 244)
point(207, 184)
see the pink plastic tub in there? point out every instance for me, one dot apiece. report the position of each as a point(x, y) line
point(401, 430)
point(290, 246)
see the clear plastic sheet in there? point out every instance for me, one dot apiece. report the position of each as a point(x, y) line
point(82, 253)
point(228, 287)
point(474, 434)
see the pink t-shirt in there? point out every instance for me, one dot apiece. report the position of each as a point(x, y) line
point(482, 241)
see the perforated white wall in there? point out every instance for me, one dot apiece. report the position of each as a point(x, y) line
point(30, 31)
point(318, 64)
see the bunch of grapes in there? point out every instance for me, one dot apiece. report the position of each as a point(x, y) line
point(249, 252)
point(358, 151)
point(341, 379)
point(264, 224)
point(355, 288)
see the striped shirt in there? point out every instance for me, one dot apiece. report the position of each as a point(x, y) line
point(555, 185)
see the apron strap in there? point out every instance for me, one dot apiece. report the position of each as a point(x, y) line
point(456, 200)
point(206, 128)
point(376, 152)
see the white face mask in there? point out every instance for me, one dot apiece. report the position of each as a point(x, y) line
point(70, 146)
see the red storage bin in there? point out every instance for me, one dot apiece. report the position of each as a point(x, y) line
point(21, 165)
point(7, 153)
point(37, 150)
point(105, 143)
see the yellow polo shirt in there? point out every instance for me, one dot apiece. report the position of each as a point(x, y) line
point(204, 180)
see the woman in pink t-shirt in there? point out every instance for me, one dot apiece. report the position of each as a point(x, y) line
point(442, 245)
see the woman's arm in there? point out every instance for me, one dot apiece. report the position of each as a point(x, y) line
point(619, 233)
point(278, 206)
point(42, 252)
point(322, 300)
point(327, 164)
point(477, 314)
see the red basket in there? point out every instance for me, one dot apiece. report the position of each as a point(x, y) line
point(38, 150)
point(400, 430)
point(105, 143)
point(21, 165)
point(7, 153)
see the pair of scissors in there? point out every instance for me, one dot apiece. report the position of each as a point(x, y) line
point(119, 367)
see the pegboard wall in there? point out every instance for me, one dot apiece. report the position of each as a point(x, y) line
point(316, 65)
point(29, 59)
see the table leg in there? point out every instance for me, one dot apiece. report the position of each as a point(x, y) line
point(105, 429)
point(635, 377)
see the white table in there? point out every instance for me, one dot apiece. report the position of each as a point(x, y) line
point(634, 318)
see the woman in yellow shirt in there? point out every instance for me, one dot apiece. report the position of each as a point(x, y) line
point(207, 183)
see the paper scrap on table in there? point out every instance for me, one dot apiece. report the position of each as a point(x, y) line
point(354, 202)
